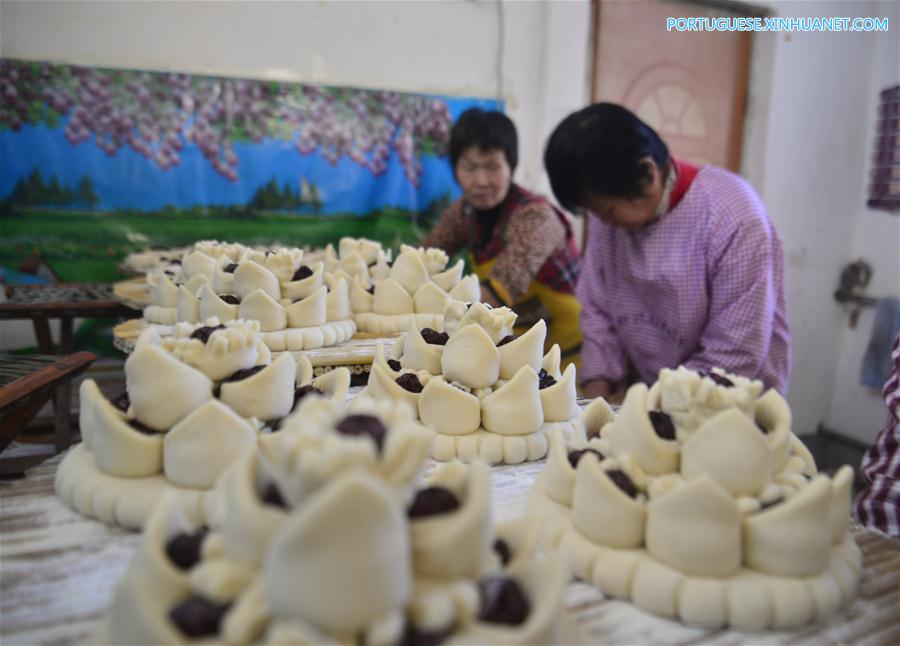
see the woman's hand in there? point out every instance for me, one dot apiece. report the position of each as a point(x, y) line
point(602, 388)
point(596, 388)
point(488, 299)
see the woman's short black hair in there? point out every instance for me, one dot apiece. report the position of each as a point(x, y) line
point(597, 151)
point(487, 130)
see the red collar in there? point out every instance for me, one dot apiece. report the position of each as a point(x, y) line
point(686, 172)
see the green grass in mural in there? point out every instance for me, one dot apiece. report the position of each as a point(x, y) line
point(86, 247)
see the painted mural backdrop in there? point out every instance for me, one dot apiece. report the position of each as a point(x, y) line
point(96, 162)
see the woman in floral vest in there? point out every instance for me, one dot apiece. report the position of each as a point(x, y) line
point(519, 244)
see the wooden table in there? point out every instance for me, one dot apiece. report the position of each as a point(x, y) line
point(64, 301)
point(58, 571)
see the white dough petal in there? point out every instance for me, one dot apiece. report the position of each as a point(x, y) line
point(198, 263)
point(120, 450)
point(188, 308)
point(199, 448)
point(526, 350)
point(430, 299)
point(632, 432)
point(409, 271)
point(259, 306)
point(471, 358)
point(183, 389)
point(514, 409)
point(251, 276)
point(420, 355)
point(602, 511)
point(696, 528)
point(298, 289)
point(338, 302)
point(310, 311)
point(464, 532)
point(468, 290)
point(360, 575)
point(447, 409)
point(391, 298)
point(792, 538)
point(212, 306)
point(732, 451)
point(559, 400)
point(266, 395)
point(449, 278)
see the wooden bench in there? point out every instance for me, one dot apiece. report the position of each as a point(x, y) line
point(27, 383)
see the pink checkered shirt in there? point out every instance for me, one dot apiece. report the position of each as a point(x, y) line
point(878, 504)
point(702, 286)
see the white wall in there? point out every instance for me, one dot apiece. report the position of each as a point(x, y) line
point(809, 137)
point(857, 411)
point(443, 47)
point(809, 130)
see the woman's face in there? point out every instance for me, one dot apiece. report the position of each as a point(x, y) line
point(629, 213)
point(484, 176)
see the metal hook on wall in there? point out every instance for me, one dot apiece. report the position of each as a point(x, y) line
point(855, 278)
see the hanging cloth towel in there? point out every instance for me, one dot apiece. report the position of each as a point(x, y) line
point(876, 365)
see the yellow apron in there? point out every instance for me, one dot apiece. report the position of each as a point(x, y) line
point(560, 311)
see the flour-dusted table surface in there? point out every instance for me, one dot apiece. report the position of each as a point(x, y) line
point(58, 572)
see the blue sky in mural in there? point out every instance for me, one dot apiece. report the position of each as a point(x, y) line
point(128, 180)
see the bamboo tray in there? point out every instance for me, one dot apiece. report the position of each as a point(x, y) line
point(133, 292)
point(358, 351)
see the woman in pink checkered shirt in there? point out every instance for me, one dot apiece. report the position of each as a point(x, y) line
point(682, 265)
